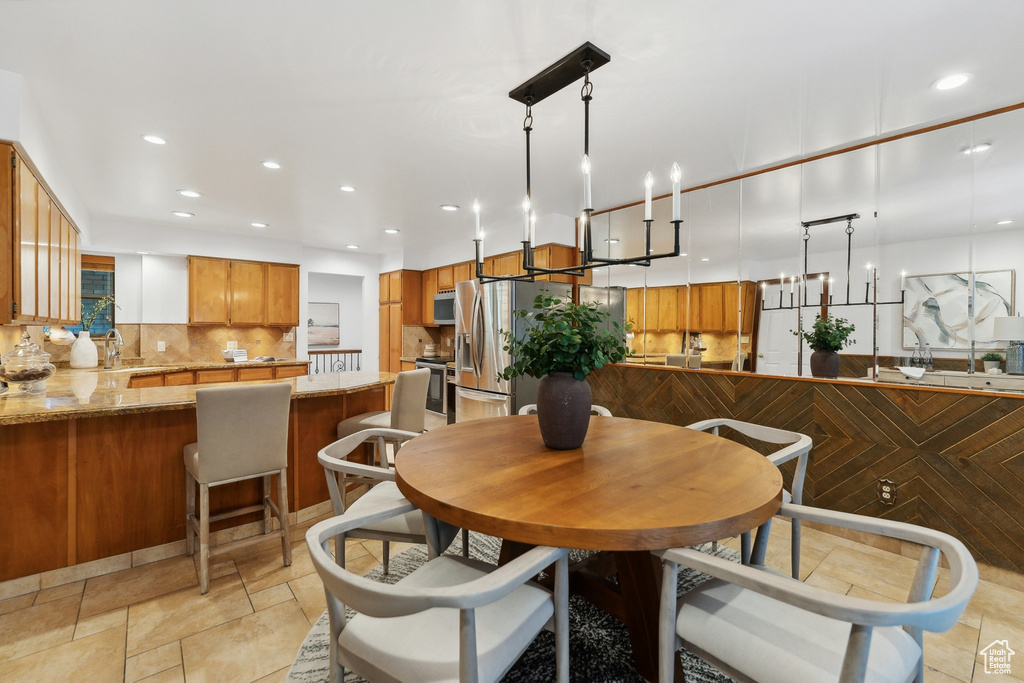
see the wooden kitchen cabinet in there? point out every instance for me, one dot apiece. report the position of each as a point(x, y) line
point(429, 290)
point(282, 295)
point(406, 287)
point(668, 308)
point(464, 272)
point(748, 312)
point(247, 293)
point(215, 376)
point(445, 278)
point(254, 374)
point(242, 293)
point(40, 257)
point(284, 371)
point(651, 296)
point(146, 382)
point(385, 288)
point(178, 379)
point(635, 308)
point(712, 314)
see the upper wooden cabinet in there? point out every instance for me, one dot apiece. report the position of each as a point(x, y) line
point(445, 278)
point(704, 307)
point(464, 272)
point(225, 292)
point(282, 295)
point(40, 258)
point(404, 306)
point(429, 290)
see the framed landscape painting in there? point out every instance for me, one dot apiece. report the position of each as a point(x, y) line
point(322, 327)
point(936, 308)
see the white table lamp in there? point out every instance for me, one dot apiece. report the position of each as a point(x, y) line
point(1011, 329)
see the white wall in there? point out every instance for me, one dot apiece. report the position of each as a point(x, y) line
point(347, 292)
point(10, 105)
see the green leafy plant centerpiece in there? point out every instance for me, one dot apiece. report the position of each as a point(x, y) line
point(561, 344)
point(826, 337)
point(89, 317)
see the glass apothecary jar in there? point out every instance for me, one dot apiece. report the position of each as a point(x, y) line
point(26, 367)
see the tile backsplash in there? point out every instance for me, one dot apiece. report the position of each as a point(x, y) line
point(183, 343)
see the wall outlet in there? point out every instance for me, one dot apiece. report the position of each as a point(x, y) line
point(161, 346)
point(232, 346)
point(289, 336)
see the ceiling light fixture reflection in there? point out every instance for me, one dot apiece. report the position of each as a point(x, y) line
point(142, 253)
point(347, 188)
point(980, 147)
point(257, 224)
point(190, 193)
point(951, 81)
point(183, 214)
point(351, 246)
point(392, 231)
point(271, 164)
point(1006, 222)
point(705, 259)
point(155, 139)
point(612, 240)
point(449, 207)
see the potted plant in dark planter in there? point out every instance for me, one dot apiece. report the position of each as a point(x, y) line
point(826, 337)
point(562, 344)
point(992, 361)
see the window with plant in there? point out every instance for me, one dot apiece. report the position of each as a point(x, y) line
point(97, 295)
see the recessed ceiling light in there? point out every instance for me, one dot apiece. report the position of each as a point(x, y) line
point(612, 240)
point(449, 207)
point(683, 254)
point(155, 139)
point(190, 193)
point(351, 246)
point(392, 231)
point(705, 259)
point(143, 253)
point(981, 147)
point(952, 81)
point(257, 224)
point(271, 164)
point(183, 214)
point(1006, 222)
point(347, 188)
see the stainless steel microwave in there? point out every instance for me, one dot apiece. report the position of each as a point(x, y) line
point(444, 308)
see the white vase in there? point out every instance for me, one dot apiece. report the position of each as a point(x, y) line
point(84, 353)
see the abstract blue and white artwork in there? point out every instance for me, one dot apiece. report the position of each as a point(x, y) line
point(936, 308)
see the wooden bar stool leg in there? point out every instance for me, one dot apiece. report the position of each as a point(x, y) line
point(282, 508)
point(267, 512)
point(204, 538)
point(387, 553)
point(190, 513)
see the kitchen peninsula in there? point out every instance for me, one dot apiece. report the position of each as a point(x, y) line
point(953, 458)
point(98, 475)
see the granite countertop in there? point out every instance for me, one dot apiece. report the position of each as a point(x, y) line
point(138, 368)
point(73, 394)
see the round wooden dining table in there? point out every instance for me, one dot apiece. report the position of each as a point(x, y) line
point(632, 487)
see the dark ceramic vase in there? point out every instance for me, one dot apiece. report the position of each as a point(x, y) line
point(825, 364)
point(563, 410)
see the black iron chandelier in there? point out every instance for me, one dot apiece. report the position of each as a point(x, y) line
point(577, 64)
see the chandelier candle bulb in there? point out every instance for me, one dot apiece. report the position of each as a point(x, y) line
point(583, 230)
point(677, 175)
point(533, 228)
point(587, 204)
point(648, 184)
point(526, 218)
point(903, 280)
point(476, 212)
point(867, 274)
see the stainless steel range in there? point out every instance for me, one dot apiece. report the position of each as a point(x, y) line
point(437, 389)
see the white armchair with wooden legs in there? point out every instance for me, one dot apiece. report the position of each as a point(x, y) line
point(451, 619)
point(757, 625)
point(798, 446)
point(410, 527)
point(243, 434)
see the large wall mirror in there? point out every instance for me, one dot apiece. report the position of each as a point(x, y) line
point(922, 267)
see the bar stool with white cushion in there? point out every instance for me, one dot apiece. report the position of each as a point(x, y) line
point(408, 408)
point(243, 434)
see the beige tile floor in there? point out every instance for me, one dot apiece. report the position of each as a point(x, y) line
point(149, 623)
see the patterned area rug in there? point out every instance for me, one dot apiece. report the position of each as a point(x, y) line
point(599, 647)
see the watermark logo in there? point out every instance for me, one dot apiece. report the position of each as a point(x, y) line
point(997, 657)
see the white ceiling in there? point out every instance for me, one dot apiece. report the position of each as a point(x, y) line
point(408, 101)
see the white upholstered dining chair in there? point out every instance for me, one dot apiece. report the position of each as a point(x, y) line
point(408, 409)
point(242, 434)
point(756, 625)
point(451, 619)
point(410, 527)
point(797, 446)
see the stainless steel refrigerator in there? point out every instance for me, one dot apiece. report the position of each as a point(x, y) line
point(610, 299)
point(482, 311)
